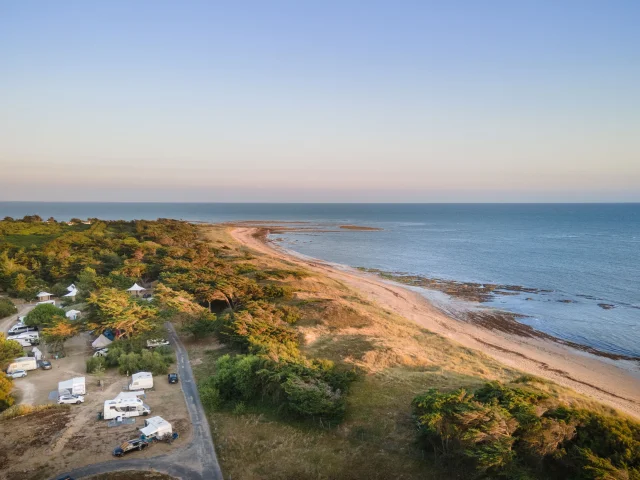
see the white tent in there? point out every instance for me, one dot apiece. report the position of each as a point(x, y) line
point(37, 354)
point(126, 395)
point(156, 427)
point(136, 288)
point(75, 386)
point(71, 287)
point(72, 293)
point(101, 342)
point(72, 314)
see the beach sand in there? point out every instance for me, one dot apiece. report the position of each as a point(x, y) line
point(615, 383)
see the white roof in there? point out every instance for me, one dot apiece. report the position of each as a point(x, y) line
point(127, 395)
point(156, 426)
point(72, 293)
point(139, 375)
point(135, 288)
point(68, 384)
point(101, 342)
point(71, 287)
point(71, 313)
point(44, 294)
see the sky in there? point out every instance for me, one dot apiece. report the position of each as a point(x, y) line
point(320, 101)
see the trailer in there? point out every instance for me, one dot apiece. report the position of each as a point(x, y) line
point(156, 428)
point(141, 380)
point(22, 363)
point(125, 407)
point(75, 386)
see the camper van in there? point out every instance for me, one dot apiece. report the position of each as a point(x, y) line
point(19, 328)
point(23, 363)
point(141, 380)
point(125, 407)
point(24, 342)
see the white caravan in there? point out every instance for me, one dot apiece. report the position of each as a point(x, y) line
point(75, 386)
point(156, 427)
point(23, 363)
point(33, 337)
point(19, 328)
point(141, 380)
point(125, 407)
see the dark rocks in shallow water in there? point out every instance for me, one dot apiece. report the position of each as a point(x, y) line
point(606, 306)
point(566, 300)
point(528, 299)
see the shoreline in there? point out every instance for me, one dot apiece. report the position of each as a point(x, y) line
point(611, 380)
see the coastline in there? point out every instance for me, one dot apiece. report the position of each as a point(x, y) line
point(612, 381)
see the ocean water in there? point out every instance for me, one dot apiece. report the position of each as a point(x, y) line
point(584, 253)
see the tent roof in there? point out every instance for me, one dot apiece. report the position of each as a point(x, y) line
point(70, 383)
point(71, 287)
point(135, 288)
point(156, 425)
point(125, 395)
point(72, 293)
point(44, 294)
point(101, 342)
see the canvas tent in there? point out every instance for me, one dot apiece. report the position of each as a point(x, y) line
point(136, 289)
point(71, 287)
point(75, 386)
point(72, 293)
point(73, 314)
point(37, 354)
point(101, 342)
point(156, 427)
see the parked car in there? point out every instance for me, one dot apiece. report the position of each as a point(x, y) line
point(17, 374)
point(101, 353)
point(157, 342)
point(45, 365)
point(173, 378)
point(126, 447)
point(71, 399)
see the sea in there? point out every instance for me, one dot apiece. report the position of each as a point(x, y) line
point(581, 256)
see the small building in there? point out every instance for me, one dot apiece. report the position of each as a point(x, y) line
point(136, 290)
point(71, 295)
point(73, 314)
point(44, 296)
point(156, 427)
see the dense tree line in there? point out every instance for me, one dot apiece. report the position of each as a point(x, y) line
point(188, 275)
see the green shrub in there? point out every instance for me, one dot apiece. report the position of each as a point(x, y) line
point(129, 363)
point(513, 432)
point(210, 395)
point(153, 362)
point(96, 364)
point(43, 315)
point(113, 355)
point(277, 291)
point(7, 308)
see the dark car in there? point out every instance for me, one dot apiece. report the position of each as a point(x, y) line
point(126, 447)
point(173, 378)
point(45, 365)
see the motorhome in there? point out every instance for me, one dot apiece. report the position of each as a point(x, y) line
point(141, 380)
point(24, 342)
point(23, 363)
point(125, 407)
point(75, 386)
point(156, 427)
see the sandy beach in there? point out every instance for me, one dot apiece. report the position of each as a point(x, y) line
point(615, 383)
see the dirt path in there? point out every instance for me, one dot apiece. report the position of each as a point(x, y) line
point(615, 383)
point(197, 461)
point(6, 323)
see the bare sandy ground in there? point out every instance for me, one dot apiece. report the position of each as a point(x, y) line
point(614, 383)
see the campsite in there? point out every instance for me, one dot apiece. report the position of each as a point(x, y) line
point(55, 439)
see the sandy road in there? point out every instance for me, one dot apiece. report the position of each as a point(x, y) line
point(197, 460)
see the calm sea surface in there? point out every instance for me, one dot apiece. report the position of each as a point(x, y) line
point(587, 254)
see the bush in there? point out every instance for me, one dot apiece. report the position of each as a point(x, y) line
point(277, 291)
point(7, 308)
point(210, 395)
point(129, 363)
point(512, 432)
point(43, 315)
point(153, 362)
point(96, 364)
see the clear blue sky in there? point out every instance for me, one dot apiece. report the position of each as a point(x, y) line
point(320, 101)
